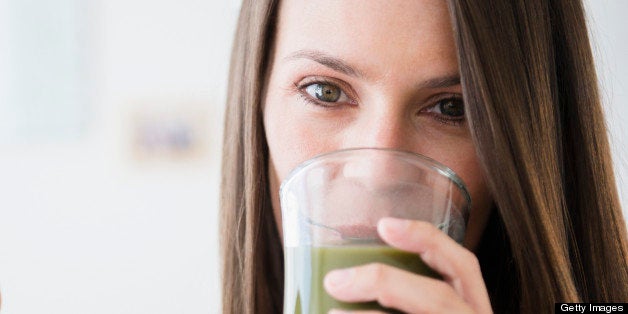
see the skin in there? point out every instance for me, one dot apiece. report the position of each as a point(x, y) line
point(382, 56)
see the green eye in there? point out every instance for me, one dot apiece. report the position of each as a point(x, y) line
point(451, 107)
point(324, 92)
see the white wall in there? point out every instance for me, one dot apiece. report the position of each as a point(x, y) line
point(609, 29)
point(86, 226)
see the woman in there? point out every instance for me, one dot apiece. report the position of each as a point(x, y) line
point(529, 141)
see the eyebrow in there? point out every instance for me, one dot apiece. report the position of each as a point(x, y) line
point(343, 67)
point(326, 60)
point(441, 82)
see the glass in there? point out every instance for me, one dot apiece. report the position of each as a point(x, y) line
point(330, 208)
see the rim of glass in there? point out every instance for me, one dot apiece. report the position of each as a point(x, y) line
point(435, 165)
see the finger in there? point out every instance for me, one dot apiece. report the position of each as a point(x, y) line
point(458, 266)
point(394, 288)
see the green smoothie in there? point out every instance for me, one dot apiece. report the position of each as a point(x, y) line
point(307, 267)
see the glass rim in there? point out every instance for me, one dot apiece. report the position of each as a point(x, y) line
point(431, 163)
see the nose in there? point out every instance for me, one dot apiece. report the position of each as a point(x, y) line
point(383, 127)
point(388, 128)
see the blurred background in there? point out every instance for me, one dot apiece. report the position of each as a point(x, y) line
point(110, 130)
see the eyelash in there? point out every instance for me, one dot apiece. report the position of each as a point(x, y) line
point(331, 106)
point(312, 101)
point(454, 121)
point(450, 121)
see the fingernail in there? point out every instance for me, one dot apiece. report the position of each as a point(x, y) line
point(394, 226)
point(334, 311)
point(339, 277)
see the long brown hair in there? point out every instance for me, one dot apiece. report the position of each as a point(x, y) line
point(557, 232)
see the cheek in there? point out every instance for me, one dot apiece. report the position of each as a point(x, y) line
point(465, 163)
point(460, 156)
point(291, 141)
point(288, 144)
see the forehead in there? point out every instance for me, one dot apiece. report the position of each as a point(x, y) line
point(379, 37)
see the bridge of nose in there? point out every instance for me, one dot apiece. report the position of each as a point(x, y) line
point(384, 124)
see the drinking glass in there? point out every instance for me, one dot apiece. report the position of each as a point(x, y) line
point(330, 208)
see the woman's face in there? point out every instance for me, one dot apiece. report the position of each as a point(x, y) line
point(368, 73)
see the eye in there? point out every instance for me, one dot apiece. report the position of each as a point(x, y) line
point(326, 92)
point(449, 111)
point(450, 108)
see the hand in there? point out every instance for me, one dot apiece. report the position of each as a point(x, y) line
point(462, 291)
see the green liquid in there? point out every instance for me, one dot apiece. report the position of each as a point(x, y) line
point(306, 268)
